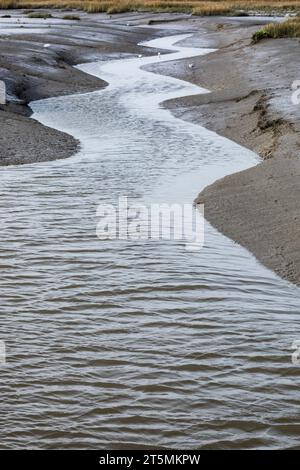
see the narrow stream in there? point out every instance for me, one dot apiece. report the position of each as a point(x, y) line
point(121, 344)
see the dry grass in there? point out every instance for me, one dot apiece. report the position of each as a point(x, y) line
point(197, 7)
point(214, 8)
point(287, 29)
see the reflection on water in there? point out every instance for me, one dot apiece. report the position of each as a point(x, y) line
point(118, 344)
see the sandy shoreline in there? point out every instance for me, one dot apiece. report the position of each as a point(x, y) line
point(250, 103)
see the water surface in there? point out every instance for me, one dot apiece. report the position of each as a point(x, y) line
point(115, 344)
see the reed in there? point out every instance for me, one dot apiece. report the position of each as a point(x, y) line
point(287, 29)
point(71, 17)
point(196, 7)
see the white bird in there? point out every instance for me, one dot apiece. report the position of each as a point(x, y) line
point(140, 56)
point(127, 24)
point(191, 66)
point(158, 54)
point(47, 45)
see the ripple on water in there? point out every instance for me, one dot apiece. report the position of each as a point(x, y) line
point(119, 344)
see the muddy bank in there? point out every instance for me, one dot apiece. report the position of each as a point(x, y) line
point(250, 103)
point(32, 71)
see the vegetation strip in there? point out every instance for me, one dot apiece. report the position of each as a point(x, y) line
point(196, 7)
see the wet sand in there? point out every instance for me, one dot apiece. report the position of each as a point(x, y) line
point(249, 103)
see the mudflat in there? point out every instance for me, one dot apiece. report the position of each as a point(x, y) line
point(37, 62)
point(250, 103)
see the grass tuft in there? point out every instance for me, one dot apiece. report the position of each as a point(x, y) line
point(287, 29)
point(39, 14)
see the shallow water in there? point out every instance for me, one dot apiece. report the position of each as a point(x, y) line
point(121, 344)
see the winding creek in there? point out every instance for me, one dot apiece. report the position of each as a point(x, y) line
point(116, 344)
